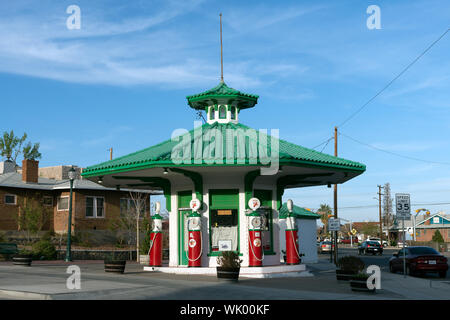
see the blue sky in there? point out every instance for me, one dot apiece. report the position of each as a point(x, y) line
point(121, 81)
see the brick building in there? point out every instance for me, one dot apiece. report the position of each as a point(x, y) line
point(426, 226)
point(93, 206)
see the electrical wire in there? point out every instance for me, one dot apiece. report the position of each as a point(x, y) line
point(393, 153)
point(395, 78)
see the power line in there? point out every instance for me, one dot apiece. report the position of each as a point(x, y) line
point(393, 153)
point(395, 78)
point(413, 204)
point(326, 141)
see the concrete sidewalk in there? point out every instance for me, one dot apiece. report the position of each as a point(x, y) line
point(47, 280)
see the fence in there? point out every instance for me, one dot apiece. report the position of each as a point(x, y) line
point(440, 247)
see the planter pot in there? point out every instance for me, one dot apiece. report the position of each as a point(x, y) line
point(228, 274)
point(22, 260)
point(144, 259)
point(344, 275)
point(116, 266)
point(360, 284)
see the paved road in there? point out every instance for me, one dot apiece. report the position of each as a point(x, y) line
point(382, 261)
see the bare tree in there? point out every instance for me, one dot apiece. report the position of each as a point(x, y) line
point(387, 207)
point(138, 212)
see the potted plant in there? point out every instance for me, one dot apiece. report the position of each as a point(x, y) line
point(359, 283)
point(348, 267)
point(23, 258)
point(229, 266)
point(114, 264)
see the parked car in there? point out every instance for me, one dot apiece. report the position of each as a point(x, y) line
point(325, 246)
point(370, 247)
point(419, 260)
point(385, 243)
point(347, 241)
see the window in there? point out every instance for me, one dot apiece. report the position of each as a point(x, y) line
point(211, 113)
point(223, 214)
point(94, 207)
point(233, 113)
point(222, 112)
point(63, 203)
point(47, 201)
point(265, 196)
point(10, 199)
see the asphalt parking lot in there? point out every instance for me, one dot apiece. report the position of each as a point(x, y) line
point(381, 261)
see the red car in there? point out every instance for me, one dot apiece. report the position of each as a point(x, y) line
point(419, 260)
point(347, 241)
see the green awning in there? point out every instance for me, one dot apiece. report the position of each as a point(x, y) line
point(160, 155)
point(298, 212)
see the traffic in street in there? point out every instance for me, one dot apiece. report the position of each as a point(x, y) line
point(380, 260)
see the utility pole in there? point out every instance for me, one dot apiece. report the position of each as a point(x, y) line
point(335, 198)
point(379, 207)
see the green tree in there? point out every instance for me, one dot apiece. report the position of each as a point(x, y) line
point(10, 145)
point(370, 229)
point(31, 152)
point(437, 237)
point(32, 216)
point(324, 211)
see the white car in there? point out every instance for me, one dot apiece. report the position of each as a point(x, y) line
point(378, 240)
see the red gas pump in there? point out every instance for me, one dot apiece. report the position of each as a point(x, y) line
point(194, 236)
point(155, 251)
point(254, 235)
point(292, 254)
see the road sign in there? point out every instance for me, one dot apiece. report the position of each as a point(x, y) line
point(334, 224)
point(354, 231)
point(403, 206)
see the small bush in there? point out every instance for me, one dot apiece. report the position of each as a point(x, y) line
point(145, 247)
point(229, 259)
point(44, 250)
point(48, 236)
point(437, 237)
point(351, 263)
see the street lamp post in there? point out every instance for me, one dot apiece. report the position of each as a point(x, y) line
point(414, 220)
point(69, 227)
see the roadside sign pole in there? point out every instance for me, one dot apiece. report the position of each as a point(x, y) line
point(403, 211)
point(331, 251)
point(404, 252)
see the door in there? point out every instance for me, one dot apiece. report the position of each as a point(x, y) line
point(184, 197)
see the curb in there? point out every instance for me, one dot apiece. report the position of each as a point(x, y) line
point(26, 295)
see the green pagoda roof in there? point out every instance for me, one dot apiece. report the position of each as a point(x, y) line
point(298, 212)
point(222, 94)
point(160, 155)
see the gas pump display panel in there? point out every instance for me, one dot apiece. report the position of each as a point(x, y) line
point(224, 227)
point(266, 219)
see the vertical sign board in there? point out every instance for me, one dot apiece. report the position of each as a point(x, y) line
point(403, 211)
point(334, 224)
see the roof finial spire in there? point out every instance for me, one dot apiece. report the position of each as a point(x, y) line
point(221, 50)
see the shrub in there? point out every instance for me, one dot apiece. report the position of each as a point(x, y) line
point(351, 263)
point(44, 250)
point(48, 236)
point(145, 247)
point(437, 237)
point(229, 259)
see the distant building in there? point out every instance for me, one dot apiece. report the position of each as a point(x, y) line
point(93, 205)
point(426, 226)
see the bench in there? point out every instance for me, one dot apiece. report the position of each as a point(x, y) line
point(7, 249)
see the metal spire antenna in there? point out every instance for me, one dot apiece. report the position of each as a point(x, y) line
point(221, 50)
